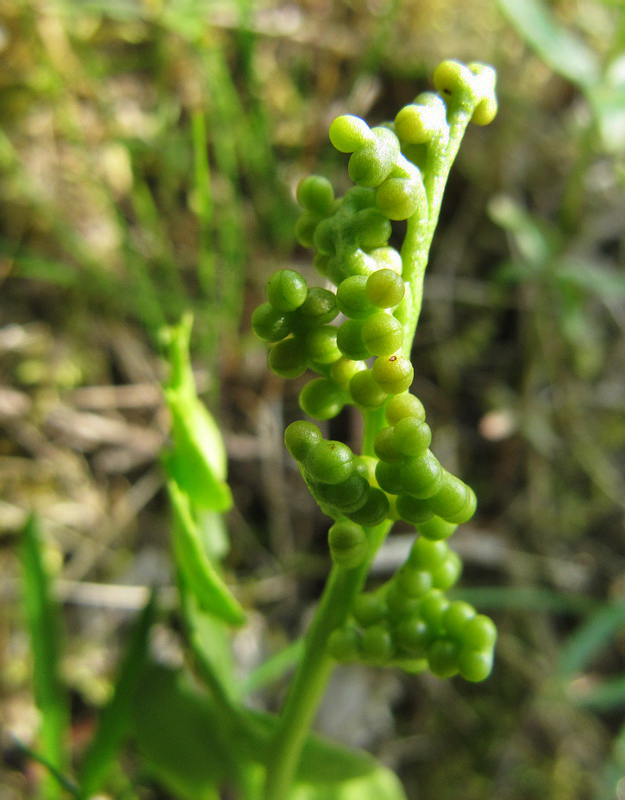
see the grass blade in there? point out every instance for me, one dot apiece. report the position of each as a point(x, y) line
point(180, 736)
point(203, 207)
point(563, 51)
point(274, 668)
point(63, 782)
point(590, 638)
point(44, 625)
point(604, 695)
point(525, 598)
point(210, 643)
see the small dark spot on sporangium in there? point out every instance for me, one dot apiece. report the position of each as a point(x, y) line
point(393, 358)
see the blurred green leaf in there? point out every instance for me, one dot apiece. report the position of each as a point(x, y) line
point(614, 769)
point(322, 761)
point(516, 271)
point(212, 528)
point(563, 51)
point(525, 599)
point(180, 737)
point(534, 242)
point(569, 56)
point(199, 574)
point(600, 695)
point(381, 784)
point(63, 781)
point(36, 268)
point(123, 10)
point(100, 287)
point(190, 747)
point(592, 277)
point(590, 638)
point(115, 719)
point(44, 625)
point(215, 747)
point(186, 17)
point(187, 462)
point(608, 103)
point(211, 646)
point(197, 460)
point(273, 668)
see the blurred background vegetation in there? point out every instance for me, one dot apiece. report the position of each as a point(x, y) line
point(149, 151)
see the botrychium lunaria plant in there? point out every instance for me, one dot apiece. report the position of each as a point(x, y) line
point(354, 332)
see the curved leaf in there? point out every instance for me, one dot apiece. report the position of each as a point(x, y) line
point(199, 574)
point(197, 460)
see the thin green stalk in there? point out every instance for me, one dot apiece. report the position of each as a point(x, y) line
point(420, 232)
point(161, 261)
point(226, 119)
point(203, 205)
point(313, 673)
point(574, 188)
point(373, 422)
point(63, 782)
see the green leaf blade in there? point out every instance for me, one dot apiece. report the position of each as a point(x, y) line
point(193, 747)
point(116, 718)
point(273, 668)
point(180, 737)
point(44, 624)
point(592, 278)
point(590, 638)
point(563, 51)
point(191, 462)
point(381, 784)
point(210, 642)
point(200, 575)
point(322, 761)
point(600, 696)
point(197, 460)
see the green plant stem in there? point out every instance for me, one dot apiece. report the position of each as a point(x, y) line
point(63, 782)
point(420, 230)
point(203, 204)
point(313, 673)
point(373, 422)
